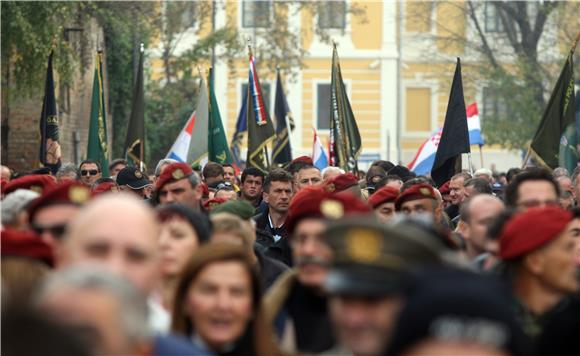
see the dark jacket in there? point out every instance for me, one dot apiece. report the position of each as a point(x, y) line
point(278, 250)
point(270, 269)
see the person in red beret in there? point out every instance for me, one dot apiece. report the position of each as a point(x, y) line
point(297, 301)
point(179, 184)
point(538, 253)
point(346, 182)
point(37, 182)
point(50, 214)
point(445, 191)
point(419, 199)
point(383, 202)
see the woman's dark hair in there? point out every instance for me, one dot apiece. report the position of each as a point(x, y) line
point(260, 332)
point(198, 221)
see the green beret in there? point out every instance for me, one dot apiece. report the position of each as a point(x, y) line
point(240, 208)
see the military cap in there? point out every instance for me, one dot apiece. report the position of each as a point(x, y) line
point(240, 208)
point(458, 306)
point(37, 182)
point(374, 259)
point(132, 177)
point(532, 229)
point(415, 192)
point(316, 202)
point(204, 190)
point(341, 182)
point(69, 192)
point(444, 189)
point(172, 173)
point(26, 243)
point(304, 159)
point(105, 187)
point(214, 202)
point(383, 195)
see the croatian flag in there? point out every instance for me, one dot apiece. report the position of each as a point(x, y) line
point(179, 149)
point(319, 156)
point(423, 161)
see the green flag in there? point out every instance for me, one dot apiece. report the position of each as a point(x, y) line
point(554, 144)
point(98, 148)
point(218, 149)
point(135, 143)
point(345, 141)
point(260, 128)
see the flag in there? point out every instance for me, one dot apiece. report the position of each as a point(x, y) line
point(260, 129)
point(455, 135)
point(241, 127)
point(135, 143)
point(218, 150)
point(282, 152)
point(345, 141)
point(425, 156)
point(197, 149)
point(50, 153)
point(319, 156)
point(97, 148)
point(179, 148)
point(554, 143)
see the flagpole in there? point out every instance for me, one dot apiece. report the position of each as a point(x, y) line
point(481, 155)
point(470, 163)
point(142, 145)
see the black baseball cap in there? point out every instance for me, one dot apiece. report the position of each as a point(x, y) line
point(132, 177)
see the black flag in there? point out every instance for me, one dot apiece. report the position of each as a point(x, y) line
point(135, 143)
point(50, 152)
point(282, 152)
point(455, 136)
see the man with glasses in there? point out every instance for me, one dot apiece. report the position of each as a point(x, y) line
point(90, 171)
point(531, 188)
point(50, 214)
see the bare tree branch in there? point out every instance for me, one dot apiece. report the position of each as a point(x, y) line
point(486, 49)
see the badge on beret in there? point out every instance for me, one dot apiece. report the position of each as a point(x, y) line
point(78, 195)
point(363, 245)
point(177, 174)
point(138, 174)
point(332, 209)
point(376, 179)
point(425, 192)
point(36, 189)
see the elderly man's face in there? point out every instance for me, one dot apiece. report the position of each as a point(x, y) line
point(456, 190)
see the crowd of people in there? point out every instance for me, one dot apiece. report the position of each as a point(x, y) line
point(212, 261)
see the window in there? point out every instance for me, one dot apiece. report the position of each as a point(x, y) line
point(418, 109)
point(256, 13)
point(265, 93)
point(492, 19)
point(323, 105)
point(493, 105)
point(332, 14)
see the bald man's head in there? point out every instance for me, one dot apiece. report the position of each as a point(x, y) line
point(477, 213)
point(119, 232)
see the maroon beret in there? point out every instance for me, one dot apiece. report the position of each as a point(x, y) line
point(531, 229)
point(36, 182)
point(105, 187)
point(173, 173)
point(69, 192)
point(212, 203)
point(26, 243)
point(305, 159)
point(415, 192)
point(383, 195)
point(341, 182)
point(316, 202)
point(444, 189)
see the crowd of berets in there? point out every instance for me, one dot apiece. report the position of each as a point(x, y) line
point(192, 261)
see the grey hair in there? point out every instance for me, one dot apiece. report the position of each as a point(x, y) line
point(66, 169)
point(194, 179)
point(332, 169)
point(162, 163)
point(14, 203)
point(132, 303)
point(560, 172)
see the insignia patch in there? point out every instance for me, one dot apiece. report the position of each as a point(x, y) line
point(78, 195)
point(138, 174)
point(36, 189)
point(178, 174)
point(332, 209)
point(376, 179)
point(425, 192)
point(363, 245)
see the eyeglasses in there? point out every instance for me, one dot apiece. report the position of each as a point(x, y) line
point(92, 172)
point(55, 230)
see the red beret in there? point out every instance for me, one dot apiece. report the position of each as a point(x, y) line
point(69, 192)
point(36, 182)
point(212, 203)
point(26, 243)
point(415, 192)
point(105, 187)
point(304, 159)
point(531, 229)
point(341, 182)
point(204, 190)
point(316, 202)
point(383, 195)
point(444, 189)
point(173, 173)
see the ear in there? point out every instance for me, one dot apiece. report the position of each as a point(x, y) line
point(464, 229)
point(265, 197)
point(198, 192)
point(535, 262)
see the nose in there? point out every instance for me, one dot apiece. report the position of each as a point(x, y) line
point(169, 197)
point(223, 300)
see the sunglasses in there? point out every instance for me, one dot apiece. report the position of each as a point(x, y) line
point(55, 230)
point(92, 172)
